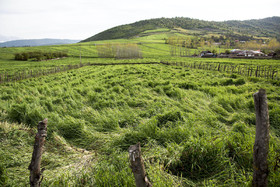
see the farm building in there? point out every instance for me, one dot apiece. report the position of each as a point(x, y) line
point(245, 53)
point(206, 54)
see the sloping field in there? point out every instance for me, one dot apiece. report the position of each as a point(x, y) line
point(196, 127)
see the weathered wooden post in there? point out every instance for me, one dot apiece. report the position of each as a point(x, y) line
point(261, 145)
point(34, 167)
point(256, 74)
point(137, 166)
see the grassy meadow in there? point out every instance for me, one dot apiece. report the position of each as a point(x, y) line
point(196, 127)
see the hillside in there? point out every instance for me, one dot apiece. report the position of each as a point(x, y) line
point(37, 42)
point(267, 27)
point(196, 127)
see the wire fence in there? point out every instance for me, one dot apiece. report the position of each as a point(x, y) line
point(264, 71)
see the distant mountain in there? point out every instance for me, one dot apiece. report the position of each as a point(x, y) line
point(37, 42)
point(7, 38)
point(267, 27)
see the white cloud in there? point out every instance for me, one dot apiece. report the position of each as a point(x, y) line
point(84, 18)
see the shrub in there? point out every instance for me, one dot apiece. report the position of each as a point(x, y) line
point(38, 55)
point(18, 56)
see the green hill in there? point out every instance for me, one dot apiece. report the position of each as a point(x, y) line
point(268, 27)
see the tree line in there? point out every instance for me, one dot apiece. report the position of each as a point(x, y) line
point(39, 55)
point(179, 46)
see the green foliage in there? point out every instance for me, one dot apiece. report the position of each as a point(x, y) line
point(38, 55)
point(3, 175)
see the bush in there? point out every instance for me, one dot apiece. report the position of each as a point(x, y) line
point(38, 55)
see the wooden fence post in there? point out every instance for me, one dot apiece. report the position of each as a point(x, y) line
point(219, 67)
point(256, 74)
point(137, 166)
point(36, 178)
point(261, 145)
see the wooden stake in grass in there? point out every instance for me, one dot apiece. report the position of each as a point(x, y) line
point(261, 145)
point(34, 167)
point(137, 166)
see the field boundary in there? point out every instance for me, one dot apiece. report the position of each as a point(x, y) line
point(265, 71)
point(26, 74)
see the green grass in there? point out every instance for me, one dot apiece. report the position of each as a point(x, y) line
point(173, 112)
point(196, 127)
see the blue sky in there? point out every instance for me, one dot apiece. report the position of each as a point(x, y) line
point(80, 19)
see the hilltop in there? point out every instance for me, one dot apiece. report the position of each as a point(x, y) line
point(243, 30)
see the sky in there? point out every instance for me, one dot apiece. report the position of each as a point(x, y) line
point(80, 19)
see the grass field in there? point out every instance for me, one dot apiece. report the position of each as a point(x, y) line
point(196, 127)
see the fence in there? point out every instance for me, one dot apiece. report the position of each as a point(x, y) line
point(25, 74)
point(269, 72)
